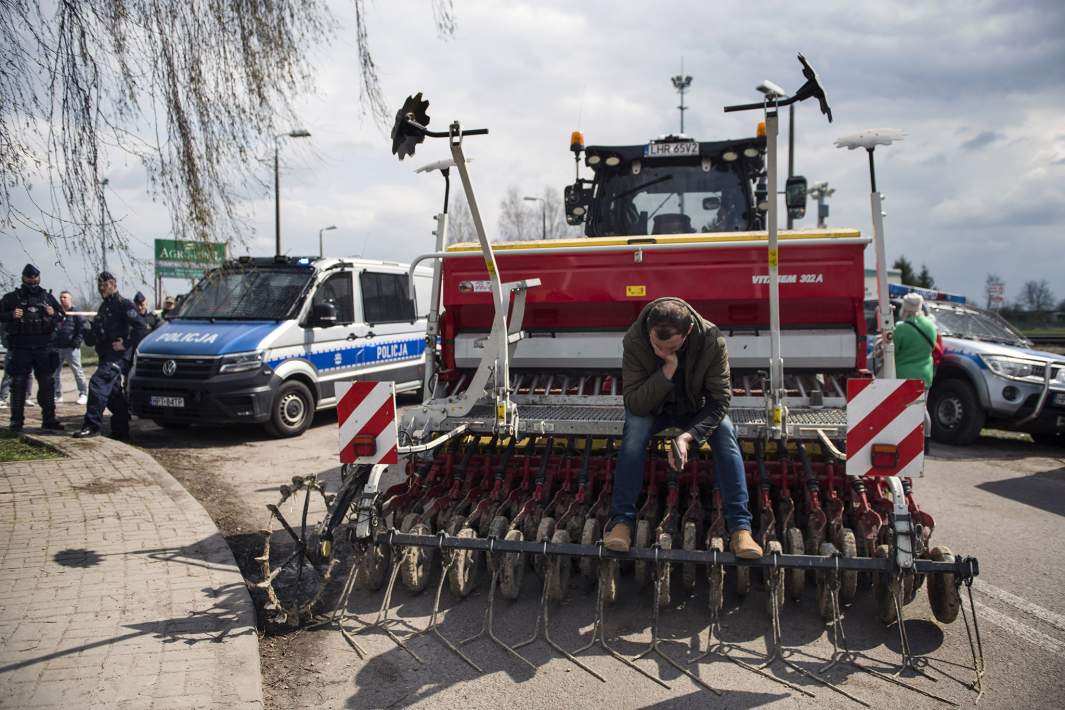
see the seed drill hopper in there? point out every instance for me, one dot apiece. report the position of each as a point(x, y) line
point(506, 468)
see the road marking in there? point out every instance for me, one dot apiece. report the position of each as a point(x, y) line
point(1037, 638)
point(1034, 610)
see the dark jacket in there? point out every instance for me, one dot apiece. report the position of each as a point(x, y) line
point(116, 319)
point(707, 382)
point(34, 329)
point(70, 333)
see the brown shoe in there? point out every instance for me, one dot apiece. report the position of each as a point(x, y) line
point(619, 538)
point(744, 546)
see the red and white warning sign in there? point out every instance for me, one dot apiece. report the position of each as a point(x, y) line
point(366, 413)
point(885, 427)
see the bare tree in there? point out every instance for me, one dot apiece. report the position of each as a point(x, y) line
point(460, 221)
point(516, 221)
point(193, 90)
point(1037, 297)
point(557, 228)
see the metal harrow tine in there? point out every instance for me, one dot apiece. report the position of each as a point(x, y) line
point(487, 629)
point(656, 641)
point(778, 653)
point(545, 617)
point(599, 627)
point(842, 654)
point(434, 624)
point(383, 622)
point(340, 611)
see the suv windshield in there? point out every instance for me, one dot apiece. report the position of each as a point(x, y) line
point(670, 199)
point(252, 294)
point(970, 323)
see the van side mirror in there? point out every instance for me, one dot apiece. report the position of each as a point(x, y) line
point(795, 196)
point(577, 198)
point(324, 314)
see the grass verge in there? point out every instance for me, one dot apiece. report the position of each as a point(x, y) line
point(17, 448)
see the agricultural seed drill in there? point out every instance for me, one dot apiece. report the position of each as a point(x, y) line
point(507, 465)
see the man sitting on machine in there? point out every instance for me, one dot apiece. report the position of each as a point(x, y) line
point(675, 373)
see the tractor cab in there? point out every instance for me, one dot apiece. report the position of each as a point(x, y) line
point(670, 185)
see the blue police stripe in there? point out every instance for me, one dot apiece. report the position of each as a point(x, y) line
point(357, 355)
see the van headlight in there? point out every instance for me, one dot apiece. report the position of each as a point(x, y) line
point(241, 362)
point(1011, 367)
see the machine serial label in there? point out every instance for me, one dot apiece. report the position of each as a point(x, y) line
point(639, 290)
point(790, 279)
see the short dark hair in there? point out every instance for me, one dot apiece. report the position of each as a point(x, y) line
point(669, 318)
point(67, 293)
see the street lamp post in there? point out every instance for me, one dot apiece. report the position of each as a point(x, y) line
point(543, 214)
point(321, 252)
point(297, 133)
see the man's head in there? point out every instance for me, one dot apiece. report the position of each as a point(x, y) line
point(911, 305)
point(168, 303)
point(31, 276)
point(669, 323)
point(106, 284)
point(141, 303)
point(66, 300)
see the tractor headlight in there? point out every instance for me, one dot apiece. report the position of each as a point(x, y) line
point(241, 362)
point(1011, 367)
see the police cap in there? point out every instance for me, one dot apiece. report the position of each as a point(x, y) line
point(31, 271)
point(139, 298)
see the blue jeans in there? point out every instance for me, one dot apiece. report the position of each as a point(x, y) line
point(729, 476)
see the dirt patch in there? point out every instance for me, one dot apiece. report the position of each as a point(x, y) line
point(103, 486)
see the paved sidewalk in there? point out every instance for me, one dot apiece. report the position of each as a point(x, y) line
point(116, 589)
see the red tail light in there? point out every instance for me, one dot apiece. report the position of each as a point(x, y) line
point(365, 445)
point(885, 456)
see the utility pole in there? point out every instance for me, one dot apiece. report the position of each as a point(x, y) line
point(681, 82)
point(820, 192)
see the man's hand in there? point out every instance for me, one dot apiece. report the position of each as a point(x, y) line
point(684, 442)
point(118, 346)
point(18, 313)
point(49, 310)
point(670, 359)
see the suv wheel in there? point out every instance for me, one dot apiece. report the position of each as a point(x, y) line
point(292, 410)
point(957, 417)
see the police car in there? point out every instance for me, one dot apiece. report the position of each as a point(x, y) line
point(266, 340)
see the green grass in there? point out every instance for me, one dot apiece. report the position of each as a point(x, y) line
point(1045, 331)
point(16, 448)
point(88, 356)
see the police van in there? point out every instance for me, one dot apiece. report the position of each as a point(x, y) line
point(265, 340)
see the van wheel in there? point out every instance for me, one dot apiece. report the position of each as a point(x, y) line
point(292, 410)
point(957, 417)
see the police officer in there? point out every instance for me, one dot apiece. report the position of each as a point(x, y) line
point(115, 332)
point(151, 319)
point(30, 315)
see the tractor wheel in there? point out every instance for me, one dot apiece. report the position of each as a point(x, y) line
point(848, 579)
point(688, 569)
point(376, 564)
point(824, 595)
point(544, 533)
point(560, 568)
point(662, 573)
point(944, 596)
point(590, 535)
point(774, 581)
point(498, 529)
point(795, 578)
point(716, 575)
point(511, 568)
point(462, 576)
point(885, 588)
point(642, 568)
point(416, 561)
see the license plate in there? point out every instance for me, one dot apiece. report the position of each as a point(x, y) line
point(1059, 399)
point(159, 401)
point(663, 150)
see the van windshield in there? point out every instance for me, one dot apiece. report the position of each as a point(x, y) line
point(247, 294)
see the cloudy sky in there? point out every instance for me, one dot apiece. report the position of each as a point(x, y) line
point(978, 185)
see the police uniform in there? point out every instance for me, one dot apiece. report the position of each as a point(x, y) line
point(151, 319)
point(29, 338)
point(116, 319)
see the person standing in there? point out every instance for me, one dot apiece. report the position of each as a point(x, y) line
point(67, 344)
point(675, 373)
point(168, 307)
point(115, 332)
point(151, 319)
point(30, 315)
point(915, 344)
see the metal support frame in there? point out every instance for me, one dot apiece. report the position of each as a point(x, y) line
point(775, 410)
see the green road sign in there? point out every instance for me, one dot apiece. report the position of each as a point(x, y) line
point(187, 260)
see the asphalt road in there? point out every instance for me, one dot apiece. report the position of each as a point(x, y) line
point(1001, 500)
